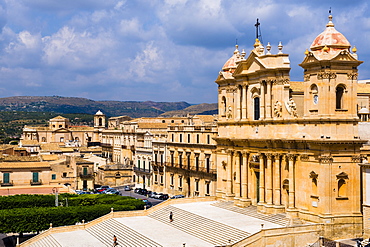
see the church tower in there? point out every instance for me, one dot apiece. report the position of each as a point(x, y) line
point(330, 76)
point(99, 126)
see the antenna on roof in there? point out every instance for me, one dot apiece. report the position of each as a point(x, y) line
point(258, 31)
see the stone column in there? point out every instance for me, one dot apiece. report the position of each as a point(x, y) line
point(262, 101)
point(291, 180)
point(245, 175)
point(237, 174)
point(229, 171)
point(268, 179)
point(244, 102)
point(268, 99)
point(277, 180)
point(262, 179)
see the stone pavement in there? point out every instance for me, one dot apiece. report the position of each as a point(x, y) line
point(195, 224)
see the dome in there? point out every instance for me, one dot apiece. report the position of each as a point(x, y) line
point(99, 113)
point(330, 38)
point(231, 63)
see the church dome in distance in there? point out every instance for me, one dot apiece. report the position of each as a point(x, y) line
point(99, 113)
point(330, 38)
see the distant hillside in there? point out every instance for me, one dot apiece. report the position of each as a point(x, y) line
point(201, 109)
point(65, 105)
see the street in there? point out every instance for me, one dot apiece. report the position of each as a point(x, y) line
point(138, 196)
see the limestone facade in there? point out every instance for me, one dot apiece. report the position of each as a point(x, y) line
point(287, 157)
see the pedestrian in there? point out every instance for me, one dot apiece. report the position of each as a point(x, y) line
point(171, 217)
point(115, 240)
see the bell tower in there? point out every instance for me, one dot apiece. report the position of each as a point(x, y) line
point(330, 76)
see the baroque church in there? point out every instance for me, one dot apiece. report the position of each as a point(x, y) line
point(288, 151)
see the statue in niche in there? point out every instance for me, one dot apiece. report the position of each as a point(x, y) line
point(291, 107)
point(229, 112)
point(277, 109)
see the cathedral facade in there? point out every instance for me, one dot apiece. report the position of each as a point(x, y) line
point(289, 152)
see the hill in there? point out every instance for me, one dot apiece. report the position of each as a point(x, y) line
point(201, 109)
point(64, 105)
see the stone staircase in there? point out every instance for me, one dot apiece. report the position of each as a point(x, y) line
point(126, 236)
point(48, 241)
point(203, 228)
point(279, 219)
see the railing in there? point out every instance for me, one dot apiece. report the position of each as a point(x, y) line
point(138, 169)
point(32, 182)
point(8, 183)
point(192, 170)
point(86, 176)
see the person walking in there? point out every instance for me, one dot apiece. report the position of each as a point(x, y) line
point(115, 240)
point(171, 216)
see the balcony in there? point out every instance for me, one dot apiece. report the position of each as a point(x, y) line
point(196, 171)
point(33, 182)
point(86, 176)
point(141, 170)
point(6, 183)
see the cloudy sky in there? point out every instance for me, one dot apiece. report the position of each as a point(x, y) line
point(160, 50)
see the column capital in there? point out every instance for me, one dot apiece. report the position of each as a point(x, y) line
point(269, 156)
point(291, 157)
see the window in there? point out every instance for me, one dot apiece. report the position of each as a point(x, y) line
point(161, 179)
point(339, 97)
point(100, 121)
point(314, 186)
point(180, 160)
point(171, 179)
point(85, 171)
point(163, 121)
point(53, 176)
point(180, 137)
point(207, 164)
point(62, 139)
point(64, 174)
point(180, 181)
point(155, 178)
point(43, 139)
point(188, 160)
point(188, 138)
point(134, 178)
point(173, 137)
point(208, 139)
point(35, 177)
point(138, 164)
point(6, 177)
point(172, 159)
point(207, 188)
point(197, 138)
point(342, 187)
point(197, 162)
point(256, 102)
point(60, 126)
point(196, 185)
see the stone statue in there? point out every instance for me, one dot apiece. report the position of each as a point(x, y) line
point(291, 107)
point(229, 112)
point(277, 109)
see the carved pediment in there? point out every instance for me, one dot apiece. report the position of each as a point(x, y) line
point(250, 65)
point(342, 175)
point(62, 130)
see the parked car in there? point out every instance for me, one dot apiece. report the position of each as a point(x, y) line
point(163, 197)
point(111, 191)
point(151, 194)
point(143, 192)
point(148, 204)
point(127, 188)
point(157, 195)
point(137, 190)
point(177, 196)
point(102, 188)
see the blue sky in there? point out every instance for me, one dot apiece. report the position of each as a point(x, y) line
point(160, 50)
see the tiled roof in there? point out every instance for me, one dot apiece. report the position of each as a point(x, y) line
point(15, 158)
point(50, 147)
point(153, 125)
point(30, 143)
point(30, 165)
point(297, 86)
point(6, 146)
point(49, 157)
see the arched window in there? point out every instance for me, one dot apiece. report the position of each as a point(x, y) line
point(43, 139)
point(256, 106)
point(223, 106)
point(339, 96)
point(315, 94)
point(62, 139)
point(342, 188)
point(100, 121)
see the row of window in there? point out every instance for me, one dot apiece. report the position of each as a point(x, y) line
point(189, 138)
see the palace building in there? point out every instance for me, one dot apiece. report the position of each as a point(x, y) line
point(289, 151)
